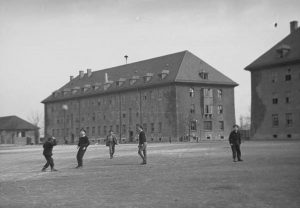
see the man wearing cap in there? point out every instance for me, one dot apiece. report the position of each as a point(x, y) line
point(142, 145)
point(48, 146)
point(235, 143)
point(111, 141)
point(82, 146)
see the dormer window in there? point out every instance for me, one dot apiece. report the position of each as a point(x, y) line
point(107, 85)
point(66, 91)
point(164, 74)
point(133, 80)
point(120, 82)
point(283, 50)
point(203, 75)
point(96, 86)
point(55, 94)
point(85, 88)
point(75, 90)
point(148, 77)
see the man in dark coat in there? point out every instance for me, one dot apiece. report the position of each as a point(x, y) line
point(142, 145)
point(48, 147)
point(82, 146)
point(235, 143)
point(111, 141)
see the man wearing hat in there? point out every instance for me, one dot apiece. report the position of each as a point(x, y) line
point(82, 146)
point(235, 143)
point(48, 146)
point(111, 141)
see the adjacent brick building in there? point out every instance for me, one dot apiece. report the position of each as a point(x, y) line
point(275, 89)
point(14, 130)
point(175, 97)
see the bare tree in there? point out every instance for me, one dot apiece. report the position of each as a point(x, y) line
point(36, 118)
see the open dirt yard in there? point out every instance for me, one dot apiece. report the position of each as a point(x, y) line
point(183, 175)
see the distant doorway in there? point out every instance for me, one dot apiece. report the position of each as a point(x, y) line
point(130, 136)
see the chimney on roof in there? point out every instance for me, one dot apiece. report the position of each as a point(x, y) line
point(71, 78)
point(81, 74)
point(89, 72)
point(293, 26)
point(106, 78)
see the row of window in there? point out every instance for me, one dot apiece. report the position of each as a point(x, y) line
point(208, 109)
point(207, 92)
point(288, 120)
point(207, 125)
point(275, 99)
point(287, 77)
point(98, 130)
point(112, 100)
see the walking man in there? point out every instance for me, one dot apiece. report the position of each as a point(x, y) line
point(111, 141)
point(235, 143)
point(82, 146)
point(48, 146)
point(142, 145)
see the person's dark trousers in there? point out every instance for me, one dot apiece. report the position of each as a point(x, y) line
point(236, 151)
point(80, 154)
point(49, 162)
point(111, 150)
point(143, 152)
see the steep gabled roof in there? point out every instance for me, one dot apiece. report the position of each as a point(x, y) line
point(15, 123)
point(291, 44)
point(179, 67)
point(190, 68)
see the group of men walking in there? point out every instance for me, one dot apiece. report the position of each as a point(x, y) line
point(84, 142)
point(111, 141)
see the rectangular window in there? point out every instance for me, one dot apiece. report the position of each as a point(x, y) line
point(23, 134)
point(287, 97)
point(221, 125)
point(289, 119)
point(159, 127)
point(93, 131)
point(152, 127)
point(88, 130)
point(275, 120)
point(124, 129)
point(220, 109)
point(192, 92)
point(192, 110)
point(117, 128)
point(145, 127)
point(208, 109)
point(208, 92)
point(288, 77)
point(193, 125)
point(104, 130)
point(220, 93)
point(99, 130)
point(208, 125)
point(275, 100)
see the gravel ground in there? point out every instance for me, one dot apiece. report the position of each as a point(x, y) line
point(183, 175)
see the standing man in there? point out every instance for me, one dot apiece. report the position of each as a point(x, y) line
point(235, 143)
point(111, 141)
point(82, 146)
point(48, 146)
point(142, 145)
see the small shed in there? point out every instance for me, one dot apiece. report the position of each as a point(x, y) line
point(14, 130)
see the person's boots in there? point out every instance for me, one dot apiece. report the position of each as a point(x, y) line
point(53, 169)
point(43, 169)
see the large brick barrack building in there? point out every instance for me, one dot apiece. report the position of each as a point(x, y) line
point(175, 97)
point(275, 89)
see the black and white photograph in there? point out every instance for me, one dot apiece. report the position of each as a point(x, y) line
point(149, 104)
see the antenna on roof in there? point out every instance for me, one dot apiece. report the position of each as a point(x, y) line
point(126, 57)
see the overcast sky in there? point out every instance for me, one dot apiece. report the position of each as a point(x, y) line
point(43, 42)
